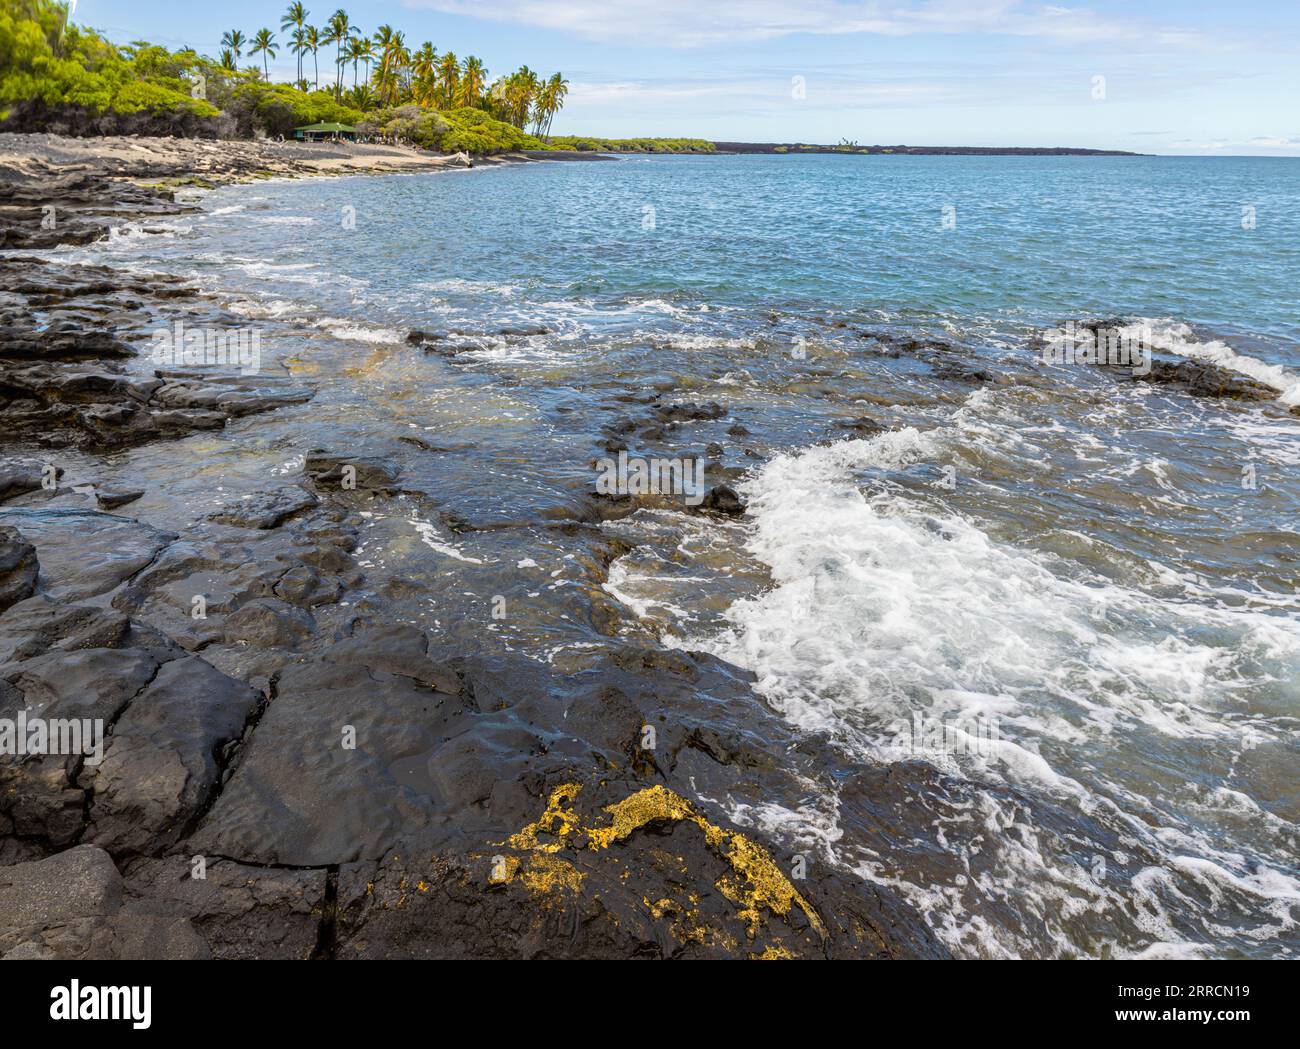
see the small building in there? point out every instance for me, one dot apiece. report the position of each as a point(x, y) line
point(319, 132)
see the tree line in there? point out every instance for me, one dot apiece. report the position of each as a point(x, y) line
point(394, 73)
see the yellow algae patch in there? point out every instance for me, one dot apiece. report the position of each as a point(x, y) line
point(760, 882)
point(645, 806)
point(547, 874)
point(775, 953)
point(543, 873)
point(558, 820)
point(756, 882)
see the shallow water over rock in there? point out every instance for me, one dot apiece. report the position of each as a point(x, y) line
point(1008, 648)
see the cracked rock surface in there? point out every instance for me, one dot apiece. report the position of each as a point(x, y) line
point(315, 742)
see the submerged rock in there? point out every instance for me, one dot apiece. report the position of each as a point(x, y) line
point(335, 472)
point(723, 499)
point(85, 552)
point(267, 509)
point(18, 568)
point(112, 498)
point(1202, 379)
point(863, 425)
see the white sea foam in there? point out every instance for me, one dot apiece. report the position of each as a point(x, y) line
point(1176, 338)
point(350, 331)
point(430, 537)
point(886, 603)
point(880, 587)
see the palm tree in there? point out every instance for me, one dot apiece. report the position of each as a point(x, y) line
point(520, 89)
point(264, 44)
point(383, 39)
point(553, 95)
point(354, 52)
point(313, 45)
point(380, 46)
point(300, 47)
point(366, 52)
point(339, 28)
point(360, 98)
point(393, 59)
point(296, 16)
point(228, 59)
point(449, 73)
point(424, 70)
point(496, 97)
point(472, 78)
point(234, 42)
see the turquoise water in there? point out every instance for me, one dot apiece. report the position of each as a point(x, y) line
point(1035, 239)
point(1101, 571)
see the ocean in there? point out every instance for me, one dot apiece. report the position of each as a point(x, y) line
point(1069, 593)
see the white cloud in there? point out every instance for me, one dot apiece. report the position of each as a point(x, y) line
point(769, 93)
point(690, 23)
point(1262, 145)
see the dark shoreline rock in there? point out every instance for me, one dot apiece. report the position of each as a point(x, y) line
point(294, 768)
point(1196, 377)
point(18, 568)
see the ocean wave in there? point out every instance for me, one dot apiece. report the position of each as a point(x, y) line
point(350, 331)
point(887, 607)
point(1178, 338)
point(462, 286)
point(133, 235)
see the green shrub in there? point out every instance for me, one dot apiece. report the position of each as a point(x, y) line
point(447, 131)
point(140, 95)
point(587, 144)
point(278, 108)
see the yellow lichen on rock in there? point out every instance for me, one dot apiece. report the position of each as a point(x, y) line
point(774, 953)
point(558, 820)
point(547, 875)
point(636, 810)
point(756, 882)
point(759, 882)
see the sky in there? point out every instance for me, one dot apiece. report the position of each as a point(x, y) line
point(1152, 76)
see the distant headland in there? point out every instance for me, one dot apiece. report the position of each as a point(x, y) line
point(925, 151)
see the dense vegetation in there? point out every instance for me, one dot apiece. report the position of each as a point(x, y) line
point(67, 79)
point(60, 77)
point(588, 143)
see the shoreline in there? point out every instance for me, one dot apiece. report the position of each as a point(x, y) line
point(97, 544)
point(78, 176)
point(503, 796)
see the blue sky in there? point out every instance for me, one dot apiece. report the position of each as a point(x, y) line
point(1155, 77)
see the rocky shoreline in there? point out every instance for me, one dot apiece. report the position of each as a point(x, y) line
point(290, 768)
